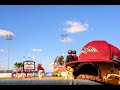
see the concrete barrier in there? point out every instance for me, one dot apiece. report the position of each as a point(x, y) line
point(5, 75)
point(49, 82)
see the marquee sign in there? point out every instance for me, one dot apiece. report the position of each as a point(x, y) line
point(29, 65)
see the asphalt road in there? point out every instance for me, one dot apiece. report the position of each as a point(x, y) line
point(49, 82)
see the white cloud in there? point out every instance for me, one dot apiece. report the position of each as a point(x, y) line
point(37, 50)
point(5, 33)
point(75, 27)
point(2, 51)
point(66, 40)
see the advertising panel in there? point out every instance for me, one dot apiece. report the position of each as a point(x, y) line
point(29, 65)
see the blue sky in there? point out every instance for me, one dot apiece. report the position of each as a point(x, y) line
point(37, 30)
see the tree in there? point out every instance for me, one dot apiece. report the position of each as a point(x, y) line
point(18, 65)
point(59, 60)
point(56, 61)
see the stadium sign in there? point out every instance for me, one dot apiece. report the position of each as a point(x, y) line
point(29, 65)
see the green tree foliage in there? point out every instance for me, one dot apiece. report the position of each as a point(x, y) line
point(18, 65)
point(59, 60)
point(56, 61)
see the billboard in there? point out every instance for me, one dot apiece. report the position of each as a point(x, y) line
point(29, 65)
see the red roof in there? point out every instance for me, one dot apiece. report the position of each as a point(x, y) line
point(98, 51)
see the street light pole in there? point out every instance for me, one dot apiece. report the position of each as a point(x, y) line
point(64, 38)
point(8, 37)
